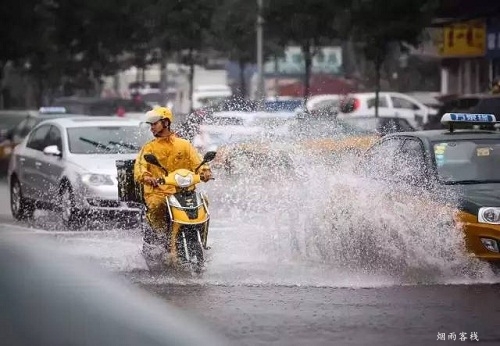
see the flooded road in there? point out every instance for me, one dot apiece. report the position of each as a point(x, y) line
point(267, 283)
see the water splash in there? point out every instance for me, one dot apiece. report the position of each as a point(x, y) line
point(324, 216)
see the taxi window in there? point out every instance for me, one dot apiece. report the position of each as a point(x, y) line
point(392, 125)
point(379, 159)
point(467, 161)
point(409, 165)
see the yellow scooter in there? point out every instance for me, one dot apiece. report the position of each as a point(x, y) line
point(188, 214)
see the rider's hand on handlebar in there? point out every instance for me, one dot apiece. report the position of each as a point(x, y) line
point(205, 175)
point(151, 181)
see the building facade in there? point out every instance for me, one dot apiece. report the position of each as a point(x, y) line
point(468, 42)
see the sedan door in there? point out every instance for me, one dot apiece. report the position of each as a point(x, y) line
point(29, 162)
point(52, 166)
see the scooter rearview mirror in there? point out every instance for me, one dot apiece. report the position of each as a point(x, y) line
point(150, 158)
point(209, 156)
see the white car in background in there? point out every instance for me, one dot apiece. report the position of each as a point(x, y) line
point(206, 95)
point(318, 102)
point(211, 137)
point(236, 126)
point(392, 104)
point(69, 165)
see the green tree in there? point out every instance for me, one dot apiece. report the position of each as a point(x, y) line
point(188, 25)
point(26, 39)
point(93, 34)
point(306, 23)
point(377, 26)
point(233, 33)
point(19, 22)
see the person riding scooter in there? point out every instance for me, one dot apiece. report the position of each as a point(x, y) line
point(172, 153)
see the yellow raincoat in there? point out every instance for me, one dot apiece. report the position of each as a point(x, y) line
point(172, 153)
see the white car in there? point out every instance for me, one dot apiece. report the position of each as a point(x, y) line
point(236, 126)
point(317, 102)
point(69, 165)
point(206, 95)
point(212, 137)
point(391, 104)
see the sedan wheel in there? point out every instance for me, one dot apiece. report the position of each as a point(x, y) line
point(68, 212)
point(20, 208)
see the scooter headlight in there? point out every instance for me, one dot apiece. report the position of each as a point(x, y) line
point(173, 201)
point(489, 215)
point(183, 181)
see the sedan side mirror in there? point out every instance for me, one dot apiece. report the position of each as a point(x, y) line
point(52, 150)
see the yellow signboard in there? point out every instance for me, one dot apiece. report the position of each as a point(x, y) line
point(467, 39)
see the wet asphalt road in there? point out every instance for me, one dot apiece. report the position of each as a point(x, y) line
point(253, 302)
point(278, 315)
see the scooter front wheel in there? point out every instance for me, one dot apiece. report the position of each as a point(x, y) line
point(190, 249)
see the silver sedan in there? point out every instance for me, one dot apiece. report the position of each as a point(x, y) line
point(69, 165)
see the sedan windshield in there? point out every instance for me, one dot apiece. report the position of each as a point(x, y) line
point(468, 161)
point(107, 139)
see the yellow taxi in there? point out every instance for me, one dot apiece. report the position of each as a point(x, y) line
point(461, 161)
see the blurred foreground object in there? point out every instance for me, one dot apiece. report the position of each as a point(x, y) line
point(49, 299)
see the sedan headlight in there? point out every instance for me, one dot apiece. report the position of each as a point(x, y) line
point(489, 215)
point(183, 181)
point(96, 179)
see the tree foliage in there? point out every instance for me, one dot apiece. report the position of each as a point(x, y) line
point(61, 40)
point(308, 24)
point(378, 26)
point(18, 19)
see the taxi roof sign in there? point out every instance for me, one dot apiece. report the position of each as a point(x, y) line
point(467, 119)
point(52, 110)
